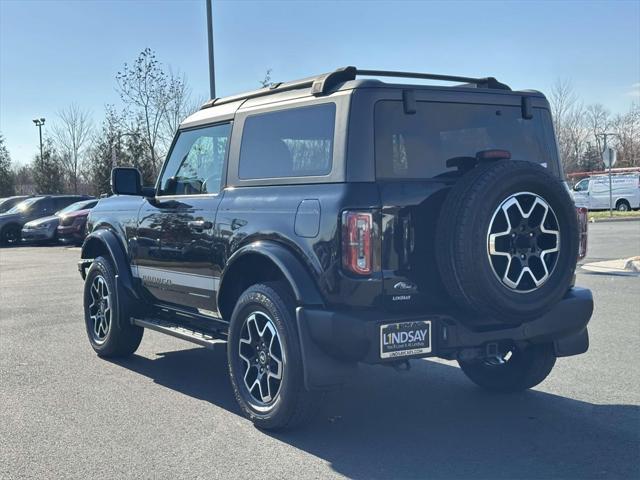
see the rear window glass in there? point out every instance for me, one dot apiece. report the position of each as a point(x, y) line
point(419, 145)
point(288, 143)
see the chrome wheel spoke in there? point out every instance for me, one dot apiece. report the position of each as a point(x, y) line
point(523, 241)
point(275, 358)
point(264, 381)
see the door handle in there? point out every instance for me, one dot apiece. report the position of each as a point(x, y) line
point(200, 224)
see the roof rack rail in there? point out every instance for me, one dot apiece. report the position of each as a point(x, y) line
point(487, 82)
point(322, 84)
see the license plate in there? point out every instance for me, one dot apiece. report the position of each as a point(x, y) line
point(405, 339)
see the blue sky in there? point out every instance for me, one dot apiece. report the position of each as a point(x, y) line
point(53, 53)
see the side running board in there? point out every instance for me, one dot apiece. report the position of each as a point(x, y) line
point(205, 338)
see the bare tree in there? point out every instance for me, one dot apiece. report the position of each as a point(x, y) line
point(180, 105)
point(145, 89)
point(72, 133)
point(627, 140)
point(24, 182)
point(597, 119)
point(569, 124)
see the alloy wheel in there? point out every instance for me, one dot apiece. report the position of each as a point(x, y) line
point(100, 309)
point(523, 242)
point(263, 359)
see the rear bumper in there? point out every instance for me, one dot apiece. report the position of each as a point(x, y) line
point(351, 337)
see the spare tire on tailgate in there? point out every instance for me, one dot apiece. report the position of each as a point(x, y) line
point(507, 241)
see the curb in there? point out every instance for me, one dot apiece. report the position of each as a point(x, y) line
point(622, 267)
point(614, 219)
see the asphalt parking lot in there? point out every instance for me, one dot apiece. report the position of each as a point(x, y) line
point(169, 412)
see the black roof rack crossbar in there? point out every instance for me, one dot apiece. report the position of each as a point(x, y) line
point(324, 83)
point(487, 82)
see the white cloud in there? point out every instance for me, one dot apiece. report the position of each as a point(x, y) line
point(635, 90)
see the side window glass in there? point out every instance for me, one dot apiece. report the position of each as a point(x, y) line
point(582, 186)
point(63, 202)
point(42, 206)
point(296, 142)
point(196, 162)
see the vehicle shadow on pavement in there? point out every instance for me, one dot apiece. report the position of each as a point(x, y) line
point(197, 372)
point(431, 422)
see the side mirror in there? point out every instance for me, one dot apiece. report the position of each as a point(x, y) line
point(126, 181)
point(170, 186)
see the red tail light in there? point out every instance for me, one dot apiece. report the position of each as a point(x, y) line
point(583, 228)
point(357, 242)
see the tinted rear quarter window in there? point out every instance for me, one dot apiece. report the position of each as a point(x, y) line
point(297, 142)
point(419, 145)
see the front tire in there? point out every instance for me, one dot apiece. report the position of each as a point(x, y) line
point(519, 369)
point(265, 363)
point(11, 235)
point(107, 321)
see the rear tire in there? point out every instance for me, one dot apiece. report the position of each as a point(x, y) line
point(623, 206)
point(524, 369)
point(107, 319)
point(262, 346)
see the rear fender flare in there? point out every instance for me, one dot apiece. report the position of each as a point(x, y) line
point(302, 284)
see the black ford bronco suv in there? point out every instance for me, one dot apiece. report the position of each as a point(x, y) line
point(316, 224)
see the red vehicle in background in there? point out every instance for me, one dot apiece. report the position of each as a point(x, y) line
point(73, 227)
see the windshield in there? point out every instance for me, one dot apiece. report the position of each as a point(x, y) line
point(23, 206)
point(74, 207)
point(418, 145)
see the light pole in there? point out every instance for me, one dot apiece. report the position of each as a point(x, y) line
point(212, 73)
point(39, 123)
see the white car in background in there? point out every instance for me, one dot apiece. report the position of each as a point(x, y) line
point(593, 192)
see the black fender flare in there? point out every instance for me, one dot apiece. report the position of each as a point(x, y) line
point(105, 239)
point(321, 371)
point(302, 284)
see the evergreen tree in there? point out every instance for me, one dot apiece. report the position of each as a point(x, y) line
point(106, 153)
point(7, 179)
point(47, 170)
point(137, 155)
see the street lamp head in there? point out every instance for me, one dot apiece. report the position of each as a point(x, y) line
point(35, 120)
point(42, 121)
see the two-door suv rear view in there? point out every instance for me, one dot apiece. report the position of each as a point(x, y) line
point(318, 224)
